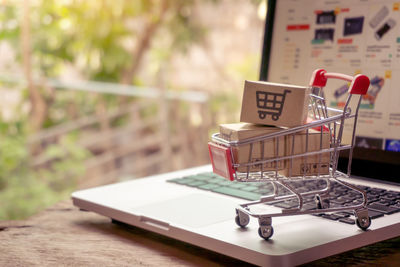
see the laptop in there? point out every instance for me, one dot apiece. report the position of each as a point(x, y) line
point(198, 207)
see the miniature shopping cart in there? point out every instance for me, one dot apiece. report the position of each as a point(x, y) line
point(328, 123)
point(270, 104)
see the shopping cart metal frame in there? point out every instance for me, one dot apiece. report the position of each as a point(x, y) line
point(325, 119)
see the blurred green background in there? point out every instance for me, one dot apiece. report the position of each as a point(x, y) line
point(95, 92)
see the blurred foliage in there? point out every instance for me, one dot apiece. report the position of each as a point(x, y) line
point(248, 69)
point(226, 104)
point(100, 40)
point(24, 191)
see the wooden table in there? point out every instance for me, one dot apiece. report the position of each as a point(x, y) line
point(63, 235)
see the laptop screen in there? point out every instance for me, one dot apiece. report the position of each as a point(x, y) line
point(349, 37)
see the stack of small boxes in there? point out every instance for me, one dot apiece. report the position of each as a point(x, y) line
point(269, 108)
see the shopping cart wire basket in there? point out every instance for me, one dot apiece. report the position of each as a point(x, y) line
point(330, 123)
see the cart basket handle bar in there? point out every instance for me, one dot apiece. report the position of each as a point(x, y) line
point(358, 84)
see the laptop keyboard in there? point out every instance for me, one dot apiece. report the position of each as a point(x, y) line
point(381, 202)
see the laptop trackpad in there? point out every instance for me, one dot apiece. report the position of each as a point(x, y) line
point(192, 210)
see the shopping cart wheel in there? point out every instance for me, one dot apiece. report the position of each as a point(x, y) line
point(265, 231)
point(363, 221)
point(242, 219)
point(275, 117)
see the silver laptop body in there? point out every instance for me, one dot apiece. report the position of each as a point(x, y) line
point(207, 220)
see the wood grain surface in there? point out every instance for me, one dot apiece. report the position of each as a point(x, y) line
point(65, 236)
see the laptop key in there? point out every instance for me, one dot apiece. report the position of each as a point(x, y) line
point(286, 205)
point(340, 200)
point(195, 183)
point(395, 194)
point(347, 220)
point(374, 214)
point(376, 191)
point(237, 185)
point(249, 188)
point(237, 193)
point(211, 174)
point(332, 217)
point(342, 214)
point(263, 191)
point(390, 196)
point(206, 179)
point(382, 208)
point(208, 186)
point(223, 182)
point(384, 202)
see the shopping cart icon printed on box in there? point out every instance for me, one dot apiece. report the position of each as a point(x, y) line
point(270, 104)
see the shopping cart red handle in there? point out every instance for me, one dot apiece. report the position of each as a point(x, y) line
point(359, 84)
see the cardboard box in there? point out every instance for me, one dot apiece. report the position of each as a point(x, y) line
point(309, 165)
point(274, 104)
point(241, 154)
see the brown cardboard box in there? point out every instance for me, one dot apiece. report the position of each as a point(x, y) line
point(241, 131)
point(274, 104)
point(307, 165)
